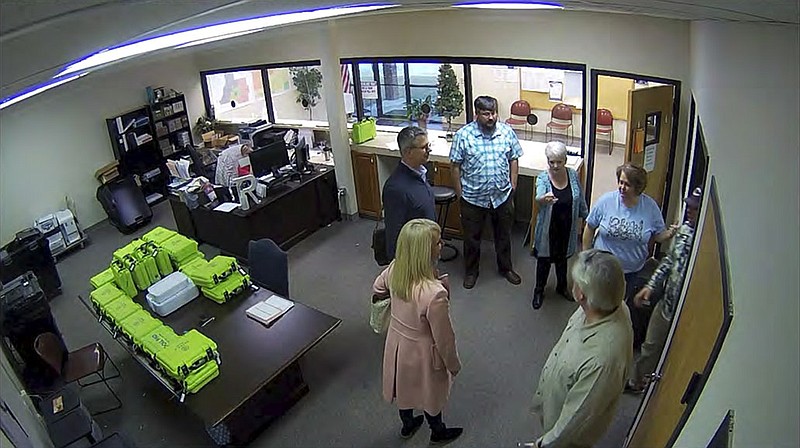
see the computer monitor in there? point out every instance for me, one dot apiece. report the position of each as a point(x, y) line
point(301, 157)
point(272, 156)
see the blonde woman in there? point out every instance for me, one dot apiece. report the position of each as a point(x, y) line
point(420, 358)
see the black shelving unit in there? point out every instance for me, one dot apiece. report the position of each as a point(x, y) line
point(171, 126)
point(135, 147)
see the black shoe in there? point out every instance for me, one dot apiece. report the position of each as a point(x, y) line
point(538, 298)
point(564, 292)
point(445, 435)
point(409, 432)
point(469, 281)
point(512, 277)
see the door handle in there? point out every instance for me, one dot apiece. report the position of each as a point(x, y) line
point(694, 381)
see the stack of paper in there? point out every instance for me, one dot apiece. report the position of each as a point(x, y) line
point(268, 310)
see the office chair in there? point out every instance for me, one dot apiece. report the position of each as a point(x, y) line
point(560, 120)
point(269, 266)
point(519, 108)
point(74, 366)
point(605, 125)
point(199, 167)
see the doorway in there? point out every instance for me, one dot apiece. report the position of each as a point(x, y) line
point(634, 118)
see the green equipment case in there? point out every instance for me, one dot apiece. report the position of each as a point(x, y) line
point(144, 256)
point(187, 355)
point(235, 284)
point(180, 249)
point(159, 235)
point(364, 130)
point(106, 276)
point(141, 278)
point(119, 310)
point(161, 256)
point(199, 378)
point(104, 295)
point(135, 327)
point(209, 273)
point(128, 249)
point(157, 340)
point(123, 278)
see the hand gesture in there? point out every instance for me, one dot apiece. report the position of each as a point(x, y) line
point(445, 279)
point(642, 297)
point(549, 198)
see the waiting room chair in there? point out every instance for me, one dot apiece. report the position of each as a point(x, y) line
point(269, 266)
point(74, 366)
point(560, 120)
point(605, 125)
point(520, 110)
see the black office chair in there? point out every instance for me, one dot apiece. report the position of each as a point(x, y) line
point(197, 164)
point(444, 196)
point(269, 266)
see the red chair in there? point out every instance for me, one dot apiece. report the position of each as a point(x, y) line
point(520, 110)
point(560, 120)
point(605, 125)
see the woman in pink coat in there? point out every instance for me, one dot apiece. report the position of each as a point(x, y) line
point(420, 358)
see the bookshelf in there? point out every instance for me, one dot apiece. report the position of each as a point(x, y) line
point(135, 148)
point(171, 127)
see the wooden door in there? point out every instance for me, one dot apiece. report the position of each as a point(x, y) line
point(368, 194)
point(701, 324)
point(442, 175)
point(648, 142)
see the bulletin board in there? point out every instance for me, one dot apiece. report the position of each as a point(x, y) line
point(534, 87)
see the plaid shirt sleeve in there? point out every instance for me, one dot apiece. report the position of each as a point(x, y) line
point(457, 149)
point(516, 148)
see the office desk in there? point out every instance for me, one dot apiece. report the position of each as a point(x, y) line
point(259, 377)
point(289, 213)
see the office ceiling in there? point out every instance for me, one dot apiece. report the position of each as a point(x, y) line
point(37, 38)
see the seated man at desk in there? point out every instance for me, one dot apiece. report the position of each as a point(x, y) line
point(228, 163)
point(407, 194)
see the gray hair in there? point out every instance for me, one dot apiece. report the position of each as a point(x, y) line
point(406, 137)
point(599, 275)
point(555, 150)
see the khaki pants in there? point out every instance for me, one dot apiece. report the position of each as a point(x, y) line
point(653, 345)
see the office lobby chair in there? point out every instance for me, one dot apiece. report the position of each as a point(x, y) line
point(561, 121)
point(443, 197)
point(605, 125)
point(74, 366)
point(520, 110)
point(269, 266)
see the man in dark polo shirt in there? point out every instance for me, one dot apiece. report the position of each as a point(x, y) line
point(407, 194)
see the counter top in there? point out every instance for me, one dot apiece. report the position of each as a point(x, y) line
point(532, 162)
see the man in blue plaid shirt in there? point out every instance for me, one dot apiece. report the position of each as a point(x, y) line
point(484, 162)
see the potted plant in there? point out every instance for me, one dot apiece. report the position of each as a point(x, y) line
point(449, 99)
point(204, 128)
point(308, 82)
point(419, 110)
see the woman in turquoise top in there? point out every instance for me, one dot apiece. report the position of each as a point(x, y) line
point(561, 207)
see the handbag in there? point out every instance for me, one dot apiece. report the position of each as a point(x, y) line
point(379, 244)
point(380, 311)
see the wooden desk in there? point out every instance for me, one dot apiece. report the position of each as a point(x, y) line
point(259, 377)
point(289, 213)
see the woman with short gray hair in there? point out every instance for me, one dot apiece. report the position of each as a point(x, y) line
point(561, 206)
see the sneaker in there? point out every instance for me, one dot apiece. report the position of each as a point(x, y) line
point(445, 436)
point(407, 433)
point(512, 277)
point(469, 281)
point(538, 298)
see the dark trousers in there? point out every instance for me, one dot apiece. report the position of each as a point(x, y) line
point(434, 421)
point(543, 272)
point(472, 221)
point(640, 317)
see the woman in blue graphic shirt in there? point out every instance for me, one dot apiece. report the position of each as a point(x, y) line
point(626, 221)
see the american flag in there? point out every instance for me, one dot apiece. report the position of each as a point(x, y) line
point(346, 78)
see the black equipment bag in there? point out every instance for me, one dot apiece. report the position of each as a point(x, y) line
point(30, 251)
point(124, 204)
point(379, 244)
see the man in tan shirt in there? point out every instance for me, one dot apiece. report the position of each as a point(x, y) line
point(585, 373)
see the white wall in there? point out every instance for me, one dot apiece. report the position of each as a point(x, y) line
point(51, 145)
point(739, 69)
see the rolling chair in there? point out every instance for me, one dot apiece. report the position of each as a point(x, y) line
point(520, 110)
point(199, 168)
point(605, 125)
point(269, 266)
point(74, 366)
point(443, 197)
point(560, 120)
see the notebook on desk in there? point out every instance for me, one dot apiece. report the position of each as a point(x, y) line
point(267, 311)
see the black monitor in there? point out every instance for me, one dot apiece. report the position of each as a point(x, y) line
point(268, 158)
point(301, 157)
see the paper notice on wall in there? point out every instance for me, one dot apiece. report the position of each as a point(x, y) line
point(650, 157)
point(369, 90)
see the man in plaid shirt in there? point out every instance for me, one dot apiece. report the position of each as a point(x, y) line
point(667, 281)
point(484, 162)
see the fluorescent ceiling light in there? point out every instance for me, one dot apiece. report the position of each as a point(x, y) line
point(214, 39)
point(210, 32)
point(510, 5)
point(35, 90)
